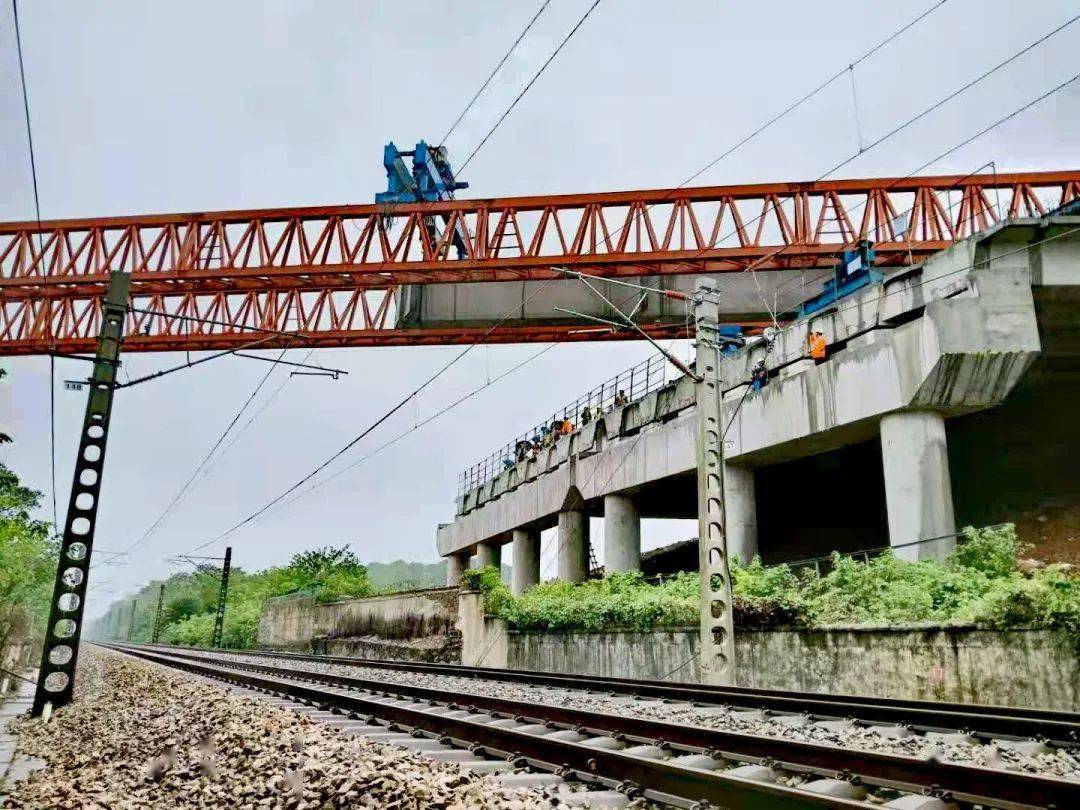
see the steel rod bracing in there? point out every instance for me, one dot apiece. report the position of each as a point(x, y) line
point(60, 653)
point(332, 272)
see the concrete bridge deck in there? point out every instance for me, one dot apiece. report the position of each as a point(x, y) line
point(995, 318)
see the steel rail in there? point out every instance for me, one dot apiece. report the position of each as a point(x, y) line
point(1061, 728)
point(909, 774)
point(658, 780)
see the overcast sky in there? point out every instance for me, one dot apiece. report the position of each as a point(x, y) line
point(151, 107)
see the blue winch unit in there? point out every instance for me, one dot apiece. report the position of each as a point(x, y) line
point(431, 179)
point(854, 271)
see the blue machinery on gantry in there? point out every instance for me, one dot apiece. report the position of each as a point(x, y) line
point(431, 179)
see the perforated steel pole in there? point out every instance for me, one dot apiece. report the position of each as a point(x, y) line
point(157, 615)
point(131, 621)
point(60, 652)
point(717, 648)
point(219, 618)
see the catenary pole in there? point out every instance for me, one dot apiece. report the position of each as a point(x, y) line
point(223, 593)
point(60, 653)
point(131, 621)
point(717, 643)
point(157, 615)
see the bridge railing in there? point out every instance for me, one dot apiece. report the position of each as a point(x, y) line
point(633, 384)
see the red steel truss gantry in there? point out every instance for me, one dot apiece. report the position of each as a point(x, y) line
point(327, 276)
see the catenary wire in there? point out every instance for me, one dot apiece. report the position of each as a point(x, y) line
point(525, 90)
point(997, 123)
point(417, 426)
point(810, 94)
point(380, 420)
point(498, 67)
point(41, 251)
point(899, 128)
point(186, 488)
point(256, 415)
point(1009, 116)
point(297, 496)
point(408, 398)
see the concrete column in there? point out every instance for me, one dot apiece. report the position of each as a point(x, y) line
point(573, 553)
point(455, 564)
point(918, 491)
point(526, 570)
point(622, 534)
point(488, 554)
point(740, 510)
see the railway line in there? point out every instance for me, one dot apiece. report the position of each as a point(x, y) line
point(610, 744)
point(979, 722)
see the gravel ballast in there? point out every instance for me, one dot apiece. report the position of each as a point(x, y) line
point(1043, 760)
point(140, 735)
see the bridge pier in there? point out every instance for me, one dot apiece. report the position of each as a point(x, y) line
point(455, 565)
point(622, 534)
point(488, 554)
point(526, 565)
point(918, 490)
point(573, 551)
point(740, 509)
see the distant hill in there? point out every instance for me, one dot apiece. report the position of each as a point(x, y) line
point(400, 573)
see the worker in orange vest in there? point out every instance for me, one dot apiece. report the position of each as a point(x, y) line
point(817, 346)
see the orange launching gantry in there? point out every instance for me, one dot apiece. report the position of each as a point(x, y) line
point(327, 276)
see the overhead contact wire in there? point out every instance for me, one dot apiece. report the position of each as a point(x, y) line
point(493, 73)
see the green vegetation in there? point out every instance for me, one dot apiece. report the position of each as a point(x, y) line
point(621, 600)
point(191, 598)
point(980, 582)
point(27, 561)
point(28, 554)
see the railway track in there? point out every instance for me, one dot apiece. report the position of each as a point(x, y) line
point(667, 763)
point(975, 721)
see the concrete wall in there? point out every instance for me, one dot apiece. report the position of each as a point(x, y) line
point(1039, 668)
point(297, 622)
point(1017, 668)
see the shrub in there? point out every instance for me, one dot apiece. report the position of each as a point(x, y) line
point(754, 612)
point(623, 600)
point(979, 582)
point(991, 550)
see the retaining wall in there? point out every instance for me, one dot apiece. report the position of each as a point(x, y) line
point(416, 625)
point(1036, 668)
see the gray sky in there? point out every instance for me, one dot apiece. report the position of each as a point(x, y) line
point(151, 107)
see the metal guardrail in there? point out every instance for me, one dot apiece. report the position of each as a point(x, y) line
point(633, 384)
